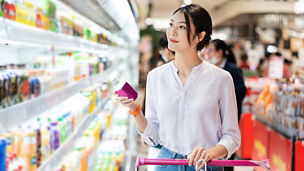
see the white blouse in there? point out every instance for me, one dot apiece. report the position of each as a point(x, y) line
point(203, 112)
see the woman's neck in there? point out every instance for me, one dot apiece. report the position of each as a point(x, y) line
point(185, 61)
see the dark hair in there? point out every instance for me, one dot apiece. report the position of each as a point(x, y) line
point(244, 57)
point(163, 42)
point(227, 53)
point(201, 20)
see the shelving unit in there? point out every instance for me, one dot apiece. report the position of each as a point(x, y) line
point(55, 158)
point(13, 116)
point(20, 43)
point(17, 34)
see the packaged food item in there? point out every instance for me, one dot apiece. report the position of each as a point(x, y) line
point(55, 136)
point(2, 154)
point(10, 9)
point(2, 89)
point(23, 84)
point(30, 13)
point(124, 89)
point(45, 142)
point(6, 90)
point(1, 8)
point(29, 149)
point(50, 9)
point(13, 84)
point(87, 34)
point(300, 127)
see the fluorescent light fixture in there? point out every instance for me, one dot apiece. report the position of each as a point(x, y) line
point(187, 2)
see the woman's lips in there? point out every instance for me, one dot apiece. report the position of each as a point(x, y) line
point(173, 41)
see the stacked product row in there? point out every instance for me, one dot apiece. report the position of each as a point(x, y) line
point(282, 103)
point(43, 14)
point(20, 82)
point(102, 146)
point(33, 142)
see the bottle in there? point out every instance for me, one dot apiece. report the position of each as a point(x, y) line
point(13, 83)
point(38, 140)
point(2, 154)
point(2, 95)
point(55, 136)
point(123, 89)
point(6, 88)
point(23, 84)
point(1, 8)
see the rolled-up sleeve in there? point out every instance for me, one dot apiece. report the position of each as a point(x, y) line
point(230, 133)
point(151, 132)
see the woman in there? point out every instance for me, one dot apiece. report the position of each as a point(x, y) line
point(190, 105)
point(220, 55)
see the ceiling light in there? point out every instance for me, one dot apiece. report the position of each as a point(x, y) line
point(187, 2)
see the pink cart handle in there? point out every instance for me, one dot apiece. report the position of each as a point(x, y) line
point(261, 163)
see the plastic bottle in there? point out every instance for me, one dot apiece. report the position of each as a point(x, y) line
point(123, 89)
point(6, 88)
point(13, 83)
point(1, 8)
point(45, 142)
point(55, 136)
point(61, 129)
point(1, 86)
point(68, 122)
point(38, 141)
point(23, 83)
point(2, 154)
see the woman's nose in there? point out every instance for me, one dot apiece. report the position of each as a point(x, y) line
point(173, 32)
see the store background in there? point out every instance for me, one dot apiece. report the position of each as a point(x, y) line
point(58, 58)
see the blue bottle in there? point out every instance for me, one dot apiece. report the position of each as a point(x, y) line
point(2, 154)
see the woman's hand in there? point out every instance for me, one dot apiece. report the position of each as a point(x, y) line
point(130, 103)
point(219, 151)
point(200, 153)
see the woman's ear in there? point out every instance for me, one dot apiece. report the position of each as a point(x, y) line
point(201, 36)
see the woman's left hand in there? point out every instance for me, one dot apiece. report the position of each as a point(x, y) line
point(200, 153)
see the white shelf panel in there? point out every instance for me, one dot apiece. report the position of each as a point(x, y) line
point(13, 32)
point(68, 145)
point(13, 116)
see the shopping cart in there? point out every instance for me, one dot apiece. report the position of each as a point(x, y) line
point(145, 161)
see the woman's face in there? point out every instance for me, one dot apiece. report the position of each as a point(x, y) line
point(177, 33)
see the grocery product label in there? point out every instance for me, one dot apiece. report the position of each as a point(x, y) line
point(279, 163)
point(275, 67)
point(260, 148)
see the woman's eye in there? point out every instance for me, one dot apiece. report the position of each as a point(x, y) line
point(182, 27)
point(170, 24)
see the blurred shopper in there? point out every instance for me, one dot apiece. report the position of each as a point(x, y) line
point(263, 65)
point(191, 107)
point(244, 62)
point(220, 55)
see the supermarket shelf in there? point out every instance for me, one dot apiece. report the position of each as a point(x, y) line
point(13, 116)
point(14, 33)
point(288, 133)
point(67, 146)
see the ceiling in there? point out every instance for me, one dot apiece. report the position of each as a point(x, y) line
point(221, 10)
point(165, 8)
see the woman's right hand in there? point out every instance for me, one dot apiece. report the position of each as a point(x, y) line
point(130, 103)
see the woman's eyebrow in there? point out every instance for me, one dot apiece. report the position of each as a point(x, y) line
point(183, 22)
